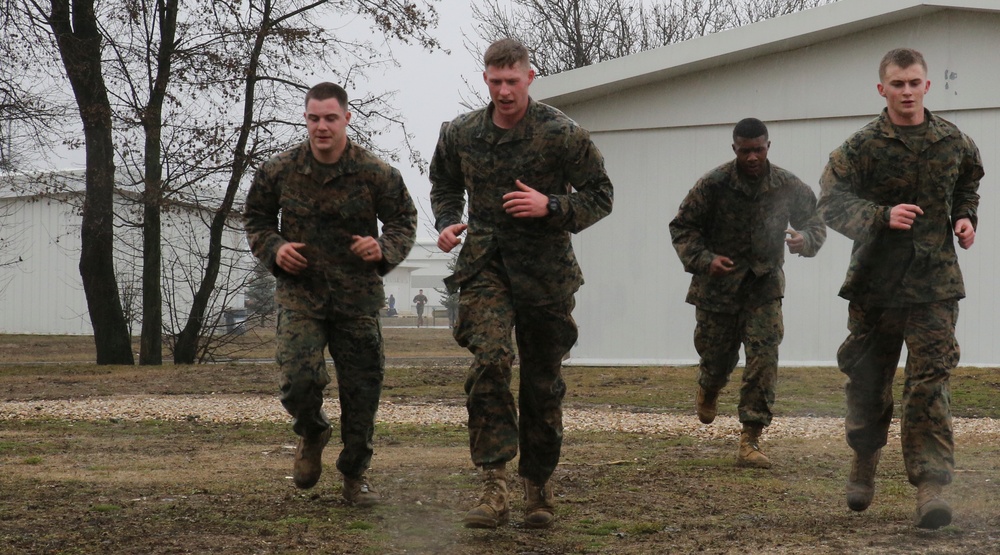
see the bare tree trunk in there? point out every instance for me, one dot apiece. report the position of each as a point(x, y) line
point(151, 341)
point(186, 346)
point(80, 48)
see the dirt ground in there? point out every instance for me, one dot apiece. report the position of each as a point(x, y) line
point(163, 486)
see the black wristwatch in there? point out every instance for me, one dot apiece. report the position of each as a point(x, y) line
point(554, 208)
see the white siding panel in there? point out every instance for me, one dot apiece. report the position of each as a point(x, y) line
point(43, 292)
point(632, 310)
point(658, 139)
point(836, 78)
point(979, 315)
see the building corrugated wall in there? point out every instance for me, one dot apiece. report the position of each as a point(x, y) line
point(658, 138)
point(42, 292)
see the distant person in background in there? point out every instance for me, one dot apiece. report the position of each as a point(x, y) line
point(730, 232)
point(533, 177)
point(312, 216)
point(904, 188)
point(392, 302)
point(420, 300)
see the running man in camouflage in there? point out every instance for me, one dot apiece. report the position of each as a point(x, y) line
point(533, 177)
point(312, 217)
point(903, 187)
point(730, 232)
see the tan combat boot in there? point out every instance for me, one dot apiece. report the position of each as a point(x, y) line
point(309, 459)
point(932, 511)
point(707, 405)
point(539, 507)
point(493, 508)
point(750, 453)
point(861, 482)
point(358, 492)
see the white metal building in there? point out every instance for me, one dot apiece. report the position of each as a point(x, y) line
point(41, 291)
point(664, 117)
point(424, 268)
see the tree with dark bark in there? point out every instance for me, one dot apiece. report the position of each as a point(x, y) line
point(151, 119)
point(78, 36)
point(204, 87)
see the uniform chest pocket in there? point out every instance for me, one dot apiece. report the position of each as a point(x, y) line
point(358, 204)
point(538, 171)
point(338, 201)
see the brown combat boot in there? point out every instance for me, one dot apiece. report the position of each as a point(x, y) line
point(750, 453)
point(932, 511)
point(493, 508)
point(861, 482)
point(707, 405)
point(309, 459)
point(539, 508)
point(358, 492)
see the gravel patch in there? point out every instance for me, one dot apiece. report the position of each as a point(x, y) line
point(254, 408)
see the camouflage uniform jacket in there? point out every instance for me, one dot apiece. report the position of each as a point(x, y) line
point(727, 214)
point(875, 170)
point(360, 190)
point(548, 152)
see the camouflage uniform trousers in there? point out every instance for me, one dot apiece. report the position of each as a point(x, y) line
point(717, 338)
point(870, 355)
point(355, 344)
point(487, 316)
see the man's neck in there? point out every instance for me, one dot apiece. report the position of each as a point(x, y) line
point(907, 121)
point(329, 156)
point(507, 123)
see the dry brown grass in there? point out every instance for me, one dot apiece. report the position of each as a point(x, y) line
point(158, 487)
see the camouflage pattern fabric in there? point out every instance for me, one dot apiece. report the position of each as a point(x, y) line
point(729, 214)
point(517, 273)
point(334, 302)
point(876, 169)
point(355, 344)
point(487, 315)
point(548, 152)
point(903, 286)
point(717, 338)
point(870, 355)
point(323, 206)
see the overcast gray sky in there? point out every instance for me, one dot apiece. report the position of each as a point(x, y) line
point(430, 88)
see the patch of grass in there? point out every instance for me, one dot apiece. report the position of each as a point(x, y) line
point(644, 528)
point(33, 460)
point(432, 434)
point(194, 486)
point(602, 506)
point(106, 508)
point(715, 462)
point(294, 521)
point(594, 528)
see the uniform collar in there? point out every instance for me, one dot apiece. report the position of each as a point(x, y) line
point(751, 186)
point(936, 127)
point(347, 164)
point(488, 131)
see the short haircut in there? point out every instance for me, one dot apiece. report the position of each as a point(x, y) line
point(506, 53)
point(902, 58)
point(325, 90)
point(749, 128)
